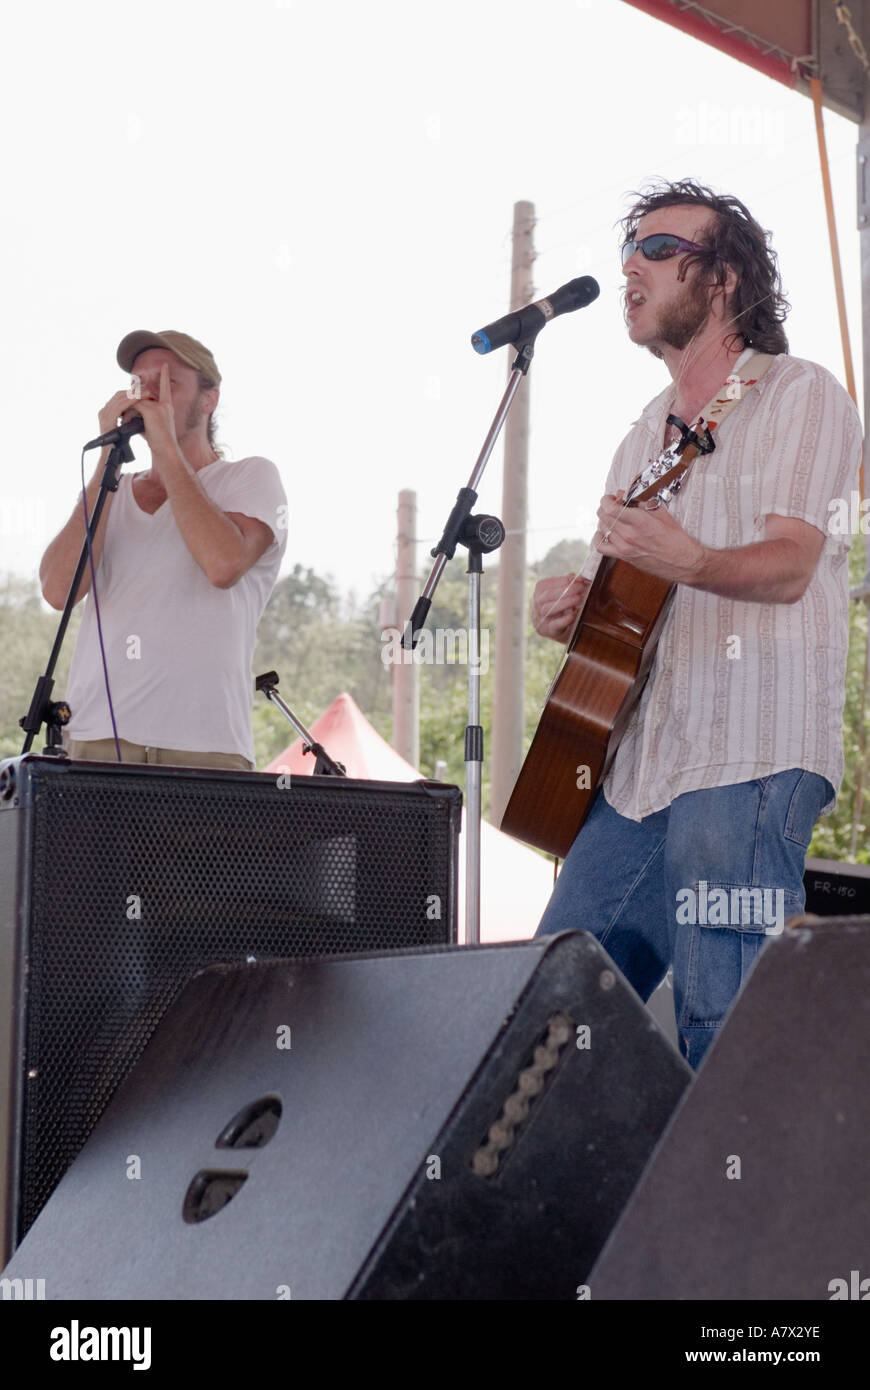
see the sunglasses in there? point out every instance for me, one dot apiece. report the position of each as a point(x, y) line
point(659, 247)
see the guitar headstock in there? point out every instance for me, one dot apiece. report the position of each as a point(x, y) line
point(657, 478)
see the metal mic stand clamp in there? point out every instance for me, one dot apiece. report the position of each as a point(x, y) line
point(324, 765)
point(480, 534)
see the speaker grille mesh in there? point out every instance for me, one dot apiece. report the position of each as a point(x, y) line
point(138, 878)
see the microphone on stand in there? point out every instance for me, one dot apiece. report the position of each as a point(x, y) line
point(514, 328)
point(122, 432)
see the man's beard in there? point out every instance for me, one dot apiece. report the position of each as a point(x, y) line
point(685, 316)
point(194, 415)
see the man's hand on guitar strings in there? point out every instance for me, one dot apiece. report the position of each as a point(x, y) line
point(649, 538)
point(556, 604)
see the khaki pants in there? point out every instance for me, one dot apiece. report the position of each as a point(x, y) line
point(102, 750)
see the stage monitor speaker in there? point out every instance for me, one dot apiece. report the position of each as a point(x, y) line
point(117, 883)
point(759, 1188)
point(457, 1124)
point(837, 888)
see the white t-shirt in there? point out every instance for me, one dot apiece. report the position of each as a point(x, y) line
point(178, 649)
point(740, 690)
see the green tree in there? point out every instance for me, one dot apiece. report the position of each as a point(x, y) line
point(320, 645)
point(839, 835)
point(27, 632)
point(566, 557)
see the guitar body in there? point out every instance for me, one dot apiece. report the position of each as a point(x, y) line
point(590, 702)
point(609, 656)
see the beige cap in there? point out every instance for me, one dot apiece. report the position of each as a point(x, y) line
point(185, 347)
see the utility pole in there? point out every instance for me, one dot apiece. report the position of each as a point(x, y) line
point(406, 685)
point(510, 649)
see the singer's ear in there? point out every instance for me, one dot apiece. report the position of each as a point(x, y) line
point(728, 286)
point(211, 398)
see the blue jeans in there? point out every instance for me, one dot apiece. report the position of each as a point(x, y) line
point(673, 889)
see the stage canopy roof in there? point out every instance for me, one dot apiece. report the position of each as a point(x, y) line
point(789, 40)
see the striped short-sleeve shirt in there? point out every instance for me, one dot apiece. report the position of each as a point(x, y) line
point(741, 690)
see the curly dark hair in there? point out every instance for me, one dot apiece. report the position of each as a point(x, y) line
point(758, 306)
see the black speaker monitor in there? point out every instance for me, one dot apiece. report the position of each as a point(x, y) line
point(759, 1188)
point(117, 883)
point(462, 1123)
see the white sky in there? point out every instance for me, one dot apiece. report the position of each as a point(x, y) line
point(323, 193)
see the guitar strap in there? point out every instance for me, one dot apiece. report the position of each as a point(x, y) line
point(653, 485)
point(732, 392)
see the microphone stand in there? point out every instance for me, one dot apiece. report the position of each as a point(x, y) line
point(324, 765)
point(43, 710)
point(480, 534)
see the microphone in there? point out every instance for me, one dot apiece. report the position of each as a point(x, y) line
point(513, 328)
point(135, 425)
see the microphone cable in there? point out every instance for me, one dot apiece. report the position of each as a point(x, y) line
point(97, 607)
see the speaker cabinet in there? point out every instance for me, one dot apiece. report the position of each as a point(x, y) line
point(759, 1188)
point(836, 888)
point(457, 1124)
point(117, 883)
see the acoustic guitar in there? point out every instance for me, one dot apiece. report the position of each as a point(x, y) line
point(602, 676)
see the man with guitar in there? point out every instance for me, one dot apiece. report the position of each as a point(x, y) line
point(734, 748)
